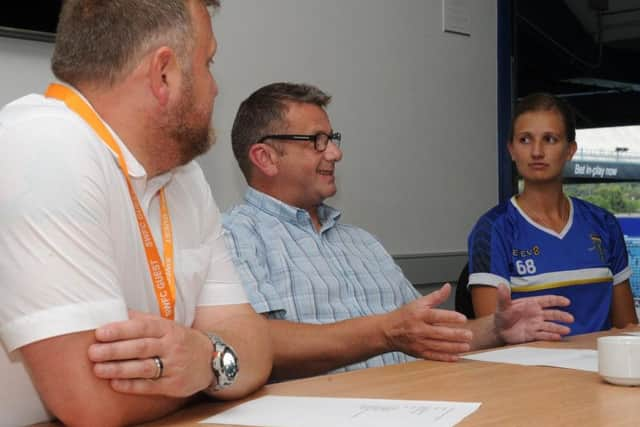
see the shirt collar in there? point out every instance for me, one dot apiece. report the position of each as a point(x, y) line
point(328, 215)
point(136, 170)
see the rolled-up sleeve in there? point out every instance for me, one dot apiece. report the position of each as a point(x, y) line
point(222, 285)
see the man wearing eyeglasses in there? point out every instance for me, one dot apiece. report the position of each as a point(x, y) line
point(335, 298)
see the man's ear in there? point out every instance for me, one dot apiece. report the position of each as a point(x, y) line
point(264, 158)
point(164, 74)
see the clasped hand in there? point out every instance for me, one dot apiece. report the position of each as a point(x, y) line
point(125, 350)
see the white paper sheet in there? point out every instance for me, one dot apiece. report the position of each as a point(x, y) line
point(584, 360)
point(634, 333)
point(285, 411)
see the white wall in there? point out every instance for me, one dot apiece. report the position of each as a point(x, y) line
point(417, 107)
point(24, 67)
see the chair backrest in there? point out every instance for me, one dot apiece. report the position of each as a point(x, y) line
point(463, 303)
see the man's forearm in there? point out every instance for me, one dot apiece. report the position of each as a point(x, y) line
point(248, 334)
point(140, 409)
point(64, 378)
point(416, 328)
point(484, 332)
point(302, 349)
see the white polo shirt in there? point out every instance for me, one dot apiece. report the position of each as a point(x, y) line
point(71, 256)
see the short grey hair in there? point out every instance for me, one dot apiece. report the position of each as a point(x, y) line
point(99, 41)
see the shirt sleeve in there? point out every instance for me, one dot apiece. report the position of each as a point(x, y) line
point(57, 272)
point(250, 258)
point(618, 257)
point(222, 285)
point(488, 254)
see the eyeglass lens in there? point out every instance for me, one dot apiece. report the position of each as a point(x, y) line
point(322, 140)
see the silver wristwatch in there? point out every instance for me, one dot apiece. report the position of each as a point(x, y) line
point(224, 364)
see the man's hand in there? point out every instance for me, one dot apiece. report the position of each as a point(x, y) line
point(530, 318)
point(421, 330)
point(125, 351)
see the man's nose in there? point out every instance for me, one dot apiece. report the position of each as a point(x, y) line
point(333, 152)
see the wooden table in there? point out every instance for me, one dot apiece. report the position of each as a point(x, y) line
point(511, 395)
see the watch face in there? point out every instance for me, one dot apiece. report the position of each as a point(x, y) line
point(229, 365)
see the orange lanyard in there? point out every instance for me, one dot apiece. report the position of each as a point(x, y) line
point(162, 274)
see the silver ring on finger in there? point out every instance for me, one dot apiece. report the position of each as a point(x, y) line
point(159, 367)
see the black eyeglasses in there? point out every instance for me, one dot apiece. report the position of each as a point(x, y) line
point(320, 140)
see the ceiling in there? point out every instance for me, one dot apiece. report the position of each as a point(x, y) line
point(586, 51)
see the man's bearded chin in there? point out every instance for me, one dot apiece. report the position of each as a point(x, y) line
point(193, 141)
point(190, 127)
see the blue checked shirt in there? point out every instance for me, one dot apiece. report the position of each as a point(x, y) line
point(290, 271)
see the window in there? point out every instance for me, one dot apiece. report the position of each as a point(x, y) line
point(606, 171)
point(35, 20)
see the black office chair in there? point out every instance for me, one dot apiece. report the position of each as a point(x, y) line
point(463, 302)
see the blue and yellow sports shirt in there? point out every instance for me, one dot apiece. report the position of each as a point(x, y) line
point(582, 263)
